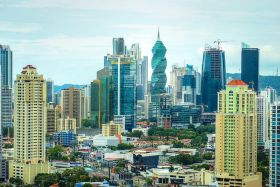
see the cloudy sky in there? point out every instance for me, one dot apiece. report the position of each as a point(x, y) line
point(67, 39)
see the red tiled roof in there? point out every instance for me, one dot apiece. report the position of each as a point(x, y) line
point(236, 83)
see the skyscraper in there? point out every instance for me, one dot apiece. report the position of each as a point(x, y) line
point(145, 73)
point(95, 103)
point(263, 112)
point(71, 104)
point(124, 88)
point(118, 46)
point(50, 91)
point(53, 114)
point(176, 76)
point(250, 67)
point(236, 137)
point(274, 162)
point(29, 126)
point(6, 61)
point(213, 77)
point(158, 80)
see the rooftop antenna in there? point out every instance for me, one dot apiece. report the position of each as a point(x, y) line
point(158, 36)
point(219, 41)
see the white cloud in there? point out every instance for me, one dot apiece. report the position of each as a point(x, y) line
point(18, 27)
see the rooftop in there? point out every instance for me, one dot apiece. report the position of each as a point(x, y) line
point(236, 83)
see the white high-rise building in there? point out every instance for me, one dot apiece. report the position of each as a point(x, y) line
point(262, 121)
point(270, 94)
point(176, 83)
point(29, 126)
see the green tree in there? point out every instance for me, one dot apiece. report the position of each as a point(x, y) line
point(87, 185)
point(44, 179)
point(16, 181)
point(136, 133)
point(55, 153)
point(149, 181)
point(208, 156)
point(74, 175)
point(89, 123)
point(124, 146)
point(177, 144)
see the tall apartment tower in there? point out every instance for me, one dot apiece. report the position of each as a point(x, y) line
point(236, 137)
point(6, 62)
point(263, 112)
point(250, 67)
point(29, 126)
point(213, 77)
point(71, 104)
point(118, 46)
point(50, 91)
point(176, 76)
point(274, 160)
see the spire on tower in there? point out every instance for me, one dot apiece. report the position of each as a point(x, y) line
point(158, 36)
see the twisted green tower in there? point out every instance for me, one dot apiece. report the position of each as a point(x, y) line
point(158, 65)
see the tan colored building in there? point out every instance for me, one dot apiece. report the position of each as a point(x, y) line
point(29, 126)
point(111, 129)
point(66, 124)
point(71, 104)
point(236, 137)
point(53, 114)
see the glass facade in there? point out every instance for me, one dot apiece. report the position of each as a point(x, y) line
point(6, 61)
point(124, 88)
point(213, 77)
point(50, 91)
point(250, 67)
point(274, 169)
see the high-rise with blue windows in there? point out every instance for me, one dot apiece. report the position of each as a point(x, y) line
point(274, 169)
point(213, 76)
point(6, 61)
point(124, 88)
point(250, 67)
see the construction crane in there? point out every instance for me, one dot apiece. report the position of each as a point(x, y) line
point(219, 41)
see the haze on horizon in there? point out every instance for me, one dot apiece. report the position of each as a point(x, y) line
point(67, 40)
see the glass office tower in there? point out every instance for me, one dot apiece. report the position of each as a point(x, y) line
point(213, 77)
point(124, 88)
point(250, 67)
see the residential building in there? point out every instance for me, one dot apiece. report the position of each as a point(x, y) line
point(263, 111)
point(176, 76)
point(85, 102)
point(250, 67)
point(213, 77)
point(53, 114)
point(6, 63)
point(67, 124)
point(71, 104)
point(50, 91)
point(29, 126)
point(274, 156)
point(236, 137)
point(65, 138)
point(270, 94)
point(111, 129)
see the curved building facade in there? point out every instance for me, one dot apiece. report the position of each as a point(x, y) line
point(158, 81)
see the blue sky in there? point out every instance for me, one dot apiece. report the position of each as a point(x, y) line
point(67, 39)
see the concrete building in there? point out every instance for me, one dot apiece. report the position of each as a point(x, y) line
point(67, 124)
point(53, 114)
point(71, 104)
point(236, 137)
point(29, 126)
point(65, 138)
point(176, 76)
point(262, 120)
point(111, 129)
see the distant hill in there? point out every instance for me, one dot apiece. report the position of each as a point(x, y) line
point(57, 88)
point(264, 81)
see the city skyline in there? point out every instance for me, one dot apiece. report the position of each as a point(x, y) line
point(61, 42)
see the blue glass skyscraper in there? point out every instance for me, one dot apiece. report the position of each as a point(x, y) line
point(6, 61)
point(250, 67)
point(159, 63)
point(124, 88)
point(213, 77)
point(274, 169)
